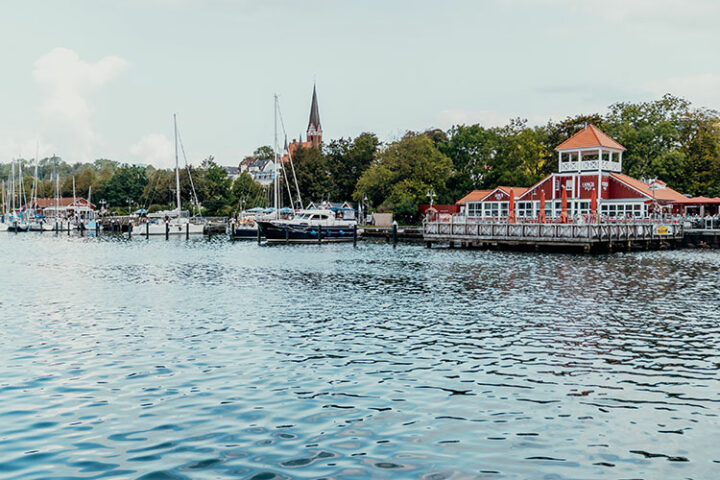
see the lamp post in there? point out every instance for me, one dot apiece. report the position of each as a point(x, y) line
point(431, 195)
point(103, 204)
point(365, 207)
point(129, 202)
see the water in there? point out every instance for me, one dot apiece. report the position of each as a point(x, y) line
point(210, 359)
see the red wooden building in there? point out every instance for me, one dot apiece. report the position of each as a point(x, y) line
point(589, 163)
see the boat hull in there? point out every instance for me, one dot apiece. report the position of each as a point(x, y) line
point(305, 233)
point(245, 232)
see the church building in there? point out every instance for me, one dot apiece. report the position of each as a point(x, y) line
point(589, 165)
point(313, 133)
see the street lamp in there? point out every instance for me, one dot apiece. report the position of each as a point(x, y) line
point(431, 195)
point(129, 202)
point(103, 204)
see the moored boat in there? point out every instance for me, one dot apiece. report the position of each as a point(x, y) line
point(309, 226)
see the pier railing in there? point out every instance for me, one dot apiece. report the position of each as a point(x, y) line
point(551, 232)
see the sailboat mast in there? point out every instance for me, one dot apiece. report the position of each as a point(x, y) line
point(57, 190)
point(12, 188)
point(177, 167)
point(276, 185)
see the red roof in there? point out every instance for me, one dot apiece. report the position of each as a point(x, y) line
point(517, 191)
point(699, 201)
point(62, 202)
point(589, 137)
point(474, 196)
point(665, 194)
point(479, 195)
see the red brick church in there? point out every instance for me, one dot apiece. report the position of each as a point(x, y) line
point(314, 132)
point(589, 165)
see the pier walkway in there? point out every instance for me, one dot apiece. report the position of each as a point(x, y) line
point(565, 236)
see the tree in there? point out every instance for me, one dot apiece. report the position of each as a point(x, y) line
point(265, 152)
point(128, 182)
point(313, 174)
point(348, 159)
point(247, 193)
point(218, 196)
point(404, 173)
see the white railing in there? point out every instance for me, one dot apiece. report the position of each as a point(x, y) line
point(590, 165)
point(596, 232)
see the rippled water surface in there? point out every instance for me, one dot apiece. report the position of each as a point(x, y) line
point(209, 359)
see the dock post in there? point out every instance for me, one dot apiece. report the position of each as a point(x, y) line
point(82, 231)
point(428, 244)
point(259, 235)
point(287, 234)
point(68, 227)
point(394, 235)
point(147, 230)
point(97, 229)
point(232, 230)
point(167, 230)
point(130, 230)
point(355, 235)
point(319, 233)
point(187, 231)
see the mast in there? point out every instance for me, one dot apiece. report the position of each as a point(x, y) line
point(34, 195)
point(12, 188)
point(177, 168)
point(275, 164)
point(57, 190)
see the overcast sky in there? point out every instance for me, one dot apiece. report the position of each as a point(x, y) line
point(93, 79)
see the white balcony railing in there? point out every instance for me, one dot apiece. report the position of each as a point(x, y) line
point(590, 165)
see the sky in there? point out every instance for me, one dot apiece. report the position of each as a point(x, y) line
point(87, 79)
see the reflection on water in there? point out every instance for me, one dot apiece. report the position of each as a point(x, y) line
point(207, 359)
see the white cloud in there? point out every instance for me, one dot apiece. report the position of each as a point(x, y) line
point(703, 90)
point(24, 145)
point(155, 149)
point(67, 81)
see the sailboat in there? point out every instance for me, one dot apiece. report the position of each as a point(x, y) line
point(17, 221)
point(37, 222)
point(171, 222)
point(3, 213)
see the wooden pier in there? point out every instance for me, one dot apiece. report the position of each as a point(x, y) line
point(602, 237)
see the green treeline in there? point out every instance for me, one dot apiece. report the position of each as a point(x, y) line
point(667, 138)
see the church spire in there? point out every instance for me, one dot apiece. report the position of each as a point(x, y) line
point(314, 130)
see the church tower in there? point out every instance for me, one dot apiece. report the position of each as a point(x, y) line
point(314, 130)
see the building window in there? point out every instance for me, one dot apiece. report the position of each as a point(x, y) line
point(525, 210)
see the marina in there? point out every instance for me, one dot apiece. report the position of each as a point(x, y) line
point(479, 240)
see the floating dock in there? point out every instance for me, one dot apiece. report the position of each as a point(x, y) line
point(600, 237)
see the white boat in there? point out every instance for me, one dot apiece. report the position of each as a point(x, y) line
point(171, 222)
point(160, 222)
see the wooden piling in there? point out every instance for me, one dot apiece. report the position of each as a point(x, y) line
point(259, 236)
point(355, 235)
point(147, 230)
point(187, 231)
point(167, 230)
point(394, 235)
point(319, 233)
point(287, 234)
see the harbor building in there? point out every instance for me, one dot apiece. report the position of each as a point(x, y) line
point(589, 169)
